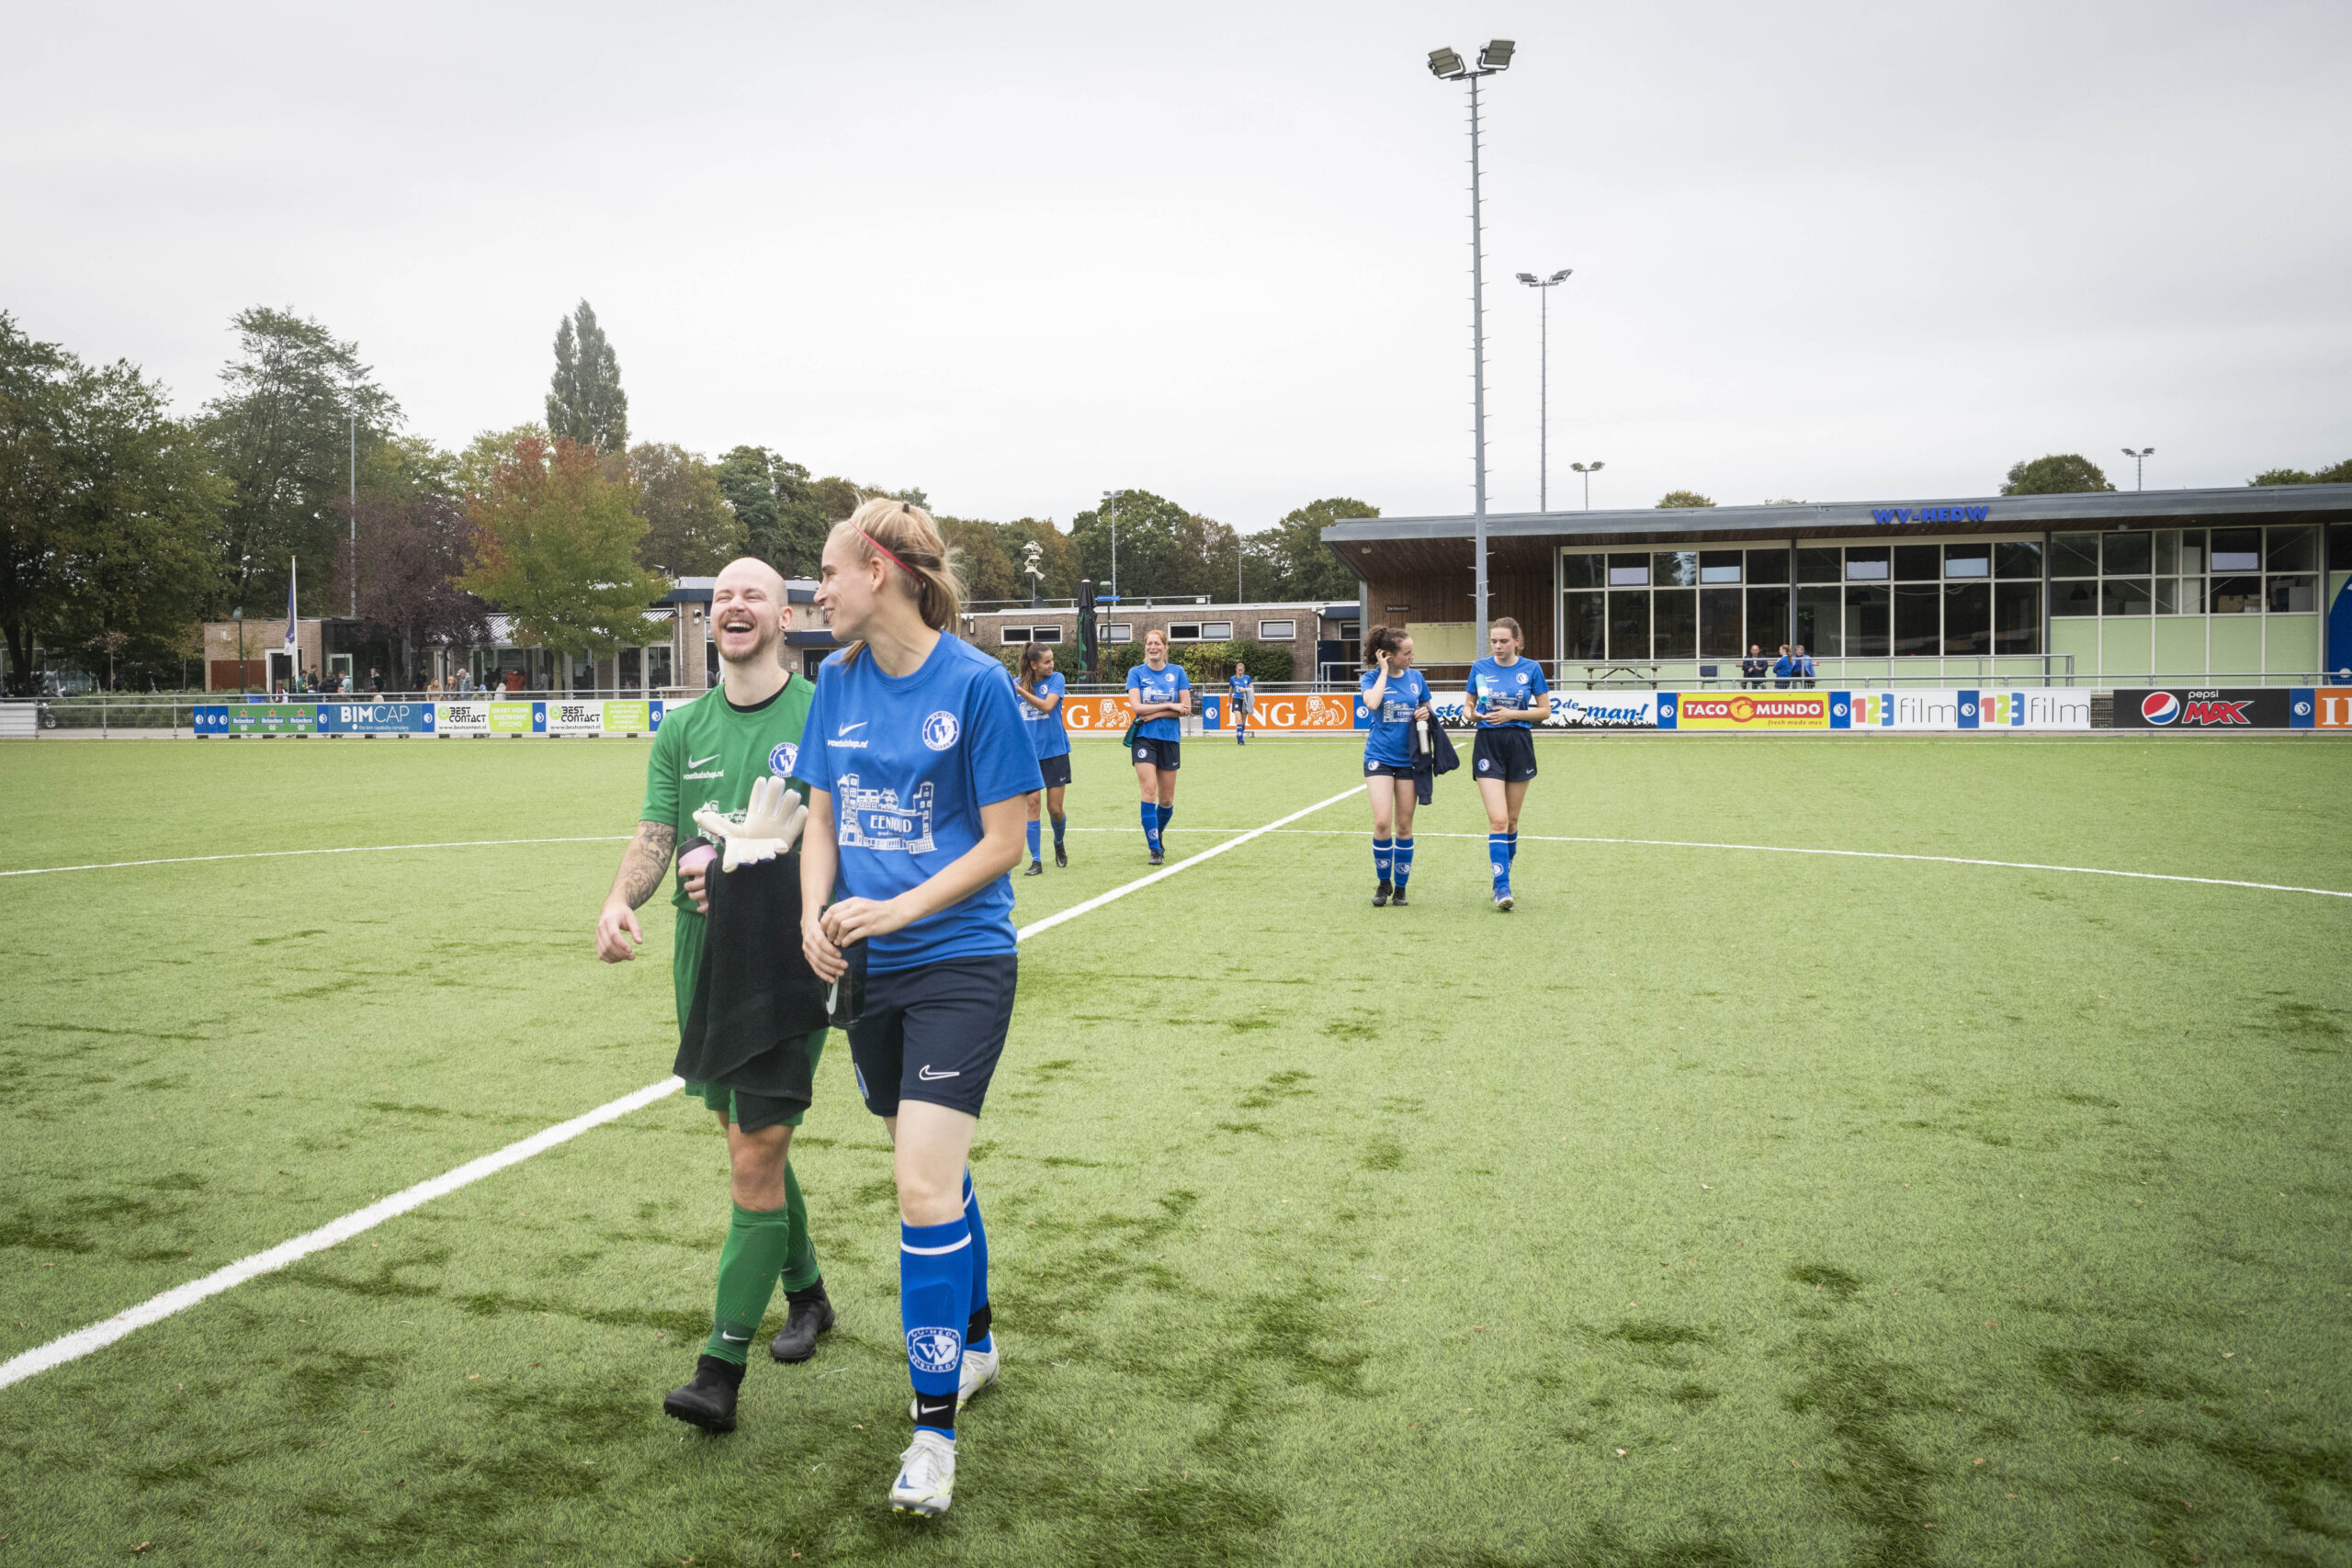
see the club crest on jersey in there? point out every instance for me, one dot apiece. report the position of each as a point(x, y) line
point(1143, 754)
point(935, 1350)
point(1483, 765)
point(939, 731)
point(781, 760)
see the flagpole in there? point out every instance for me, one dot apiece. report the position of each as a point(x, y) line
point(293, 647)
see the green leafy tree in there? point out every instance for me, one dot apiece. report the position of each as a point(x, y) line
point(278, 434)
point(1298, 564)
point(2340, 474)
point(107, 509)
point(690, 529)
point(988, 570)
point(1055, 554)
point(1149, 548)
point(1683, 498)
point(415, 550)
point(776, 507)
point(2061, 473)
point(586, 403)
point(556, 545)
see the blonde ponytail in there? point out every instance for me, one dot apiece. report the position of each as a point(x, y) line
point(903, 536)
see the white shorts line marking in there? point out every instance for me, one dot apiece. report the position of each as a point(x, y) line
point(83, 1341)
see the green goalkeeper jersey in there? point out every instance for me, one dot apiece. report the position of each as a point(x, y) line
point(709, 753)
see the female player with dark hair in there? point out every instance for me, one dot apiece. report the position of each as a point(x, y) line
point(1507, 694)
point(1245, 701)
point(1040, 690)
point(1395, 696)
point(917, 768)
point(1161, 695)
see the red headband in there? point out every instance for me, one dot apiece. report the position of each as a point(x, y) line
point(886, 551)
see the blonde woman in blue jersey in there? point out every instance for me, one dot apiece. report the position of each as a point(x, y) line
point(1507, 694)
point(1159, 694)
point(1395, 696)
point(919, 766)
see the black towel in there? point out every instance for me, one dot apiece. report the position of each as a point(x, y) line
point(756, 1000)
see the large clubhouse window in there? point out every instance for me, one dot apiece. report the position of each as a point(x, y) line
point(1876, 601)
point(2186, 571)
point(1277, 631)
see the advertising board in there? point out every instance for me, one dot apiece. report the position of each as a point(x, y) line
point(574, 717)
point(257, 718)
point(1743, 711)
point(1094, 716)
point(376, 719)
point(629, 718)
point(2331, 709)
point(1950, 711)
point(2212, 707)
point(1570, 710)
point(483, 717)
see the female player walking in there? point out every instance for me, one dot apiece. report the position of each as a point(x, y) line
point(1040, 690)
point(1508, 695)
point(918, 768)
point(1245, 698)
point(1159, 693)
point(1396, 697)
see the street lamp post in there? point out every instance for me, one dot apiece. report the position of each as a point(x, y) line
point(1111, 510)
point(356, 376)
point(2138, 465)
point(1587, 470)
point(1448, 66)
point(1544, 287)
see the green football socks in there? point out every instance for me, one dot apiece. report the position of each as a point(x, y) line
point(758, 1243)
point(800, 1270)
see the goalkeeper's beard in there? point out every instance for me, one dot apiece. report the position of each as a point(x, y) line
point(763, 654)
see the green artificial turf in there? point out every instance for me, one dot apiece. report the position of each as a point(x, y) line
point(1716, 1207)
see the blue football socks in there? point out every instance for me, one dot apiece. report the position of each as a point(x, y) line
point(1165, 813)
point(1384, 857)
point(1060, 825)
point(1151, 825)
point(935, 1307)
point(1032, 840)
point(982, 1340)
point(1511, 838)
point(1403, 858)
point(1498, 857)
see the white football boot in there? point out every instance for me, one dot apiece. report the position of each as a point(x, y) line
point(926, 1482)
point(978, 1371)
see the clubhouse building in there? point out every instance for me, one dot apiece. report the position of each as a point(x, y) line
point(2227, 587)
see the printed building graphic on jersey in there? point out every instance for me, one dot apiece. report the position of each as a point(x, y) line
point(875, 819)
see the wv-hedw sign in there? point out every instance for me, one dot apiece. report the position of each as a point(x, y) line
point(1929, 514)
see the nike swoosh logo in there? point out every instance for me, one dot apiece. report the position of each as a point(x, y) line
point(928, 1076)
point(845, 729)
point(698, 762)
point(735, 1338)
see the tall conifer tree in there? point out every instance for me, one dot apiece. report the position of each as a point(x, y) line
point(586, 403)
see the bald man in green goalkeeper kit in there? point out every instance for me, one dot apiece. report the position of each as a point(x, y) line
point(750, 1013)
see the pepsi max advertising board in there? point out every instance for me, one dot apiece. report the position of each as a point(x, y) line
point(2208, 707)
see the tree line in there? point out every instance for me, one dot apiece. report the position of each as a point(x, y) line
point(123, 527)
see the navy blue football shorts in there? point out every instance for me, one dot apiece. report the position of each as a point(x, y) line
point(1055, 770)
point(933, 1033)
point(1505, 752)
point(1165, 755)
point(1373, 769)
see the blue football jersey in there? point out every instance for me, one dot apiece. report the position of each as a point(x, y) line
point(1390, 738)
point(1146, 684)
point(910, 760)
point(1048, 737)
point(1519, 685)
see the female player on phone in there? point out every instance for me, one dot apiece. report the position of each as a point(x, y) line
point(1040, 690)
point(1396, 697)
point(1507, 694)
point(1161, 695)
point(918, 766)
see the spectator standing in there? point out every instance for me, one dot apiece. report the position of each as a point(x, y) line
point(1782, 669)
point(1805, 668)
point(1752, 667)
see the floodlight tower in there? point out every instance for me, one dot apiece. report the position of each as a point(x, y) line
point(356, 376)
point(1587, 470)
point(2138, 465)
point(1448, 66)
point(1544, 287)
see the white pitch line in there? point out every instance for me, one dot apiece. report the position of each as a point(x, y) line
point(1874, 854)
point(346, 849)
point(83, 1341)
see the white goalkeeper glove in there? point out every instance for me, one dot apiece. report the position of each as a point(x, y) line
point(770, 824)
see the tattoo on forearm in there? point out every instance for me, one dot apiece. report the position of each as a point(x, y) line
point(642, 863)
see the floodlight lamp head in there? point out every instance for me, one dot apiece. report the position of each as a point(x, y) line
point(1447, 65)
point(1496, 56)
point(1529, 278)
point(1561, 275)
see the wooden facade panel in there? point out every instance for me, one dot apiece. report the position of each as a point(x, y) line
point(1522, 591)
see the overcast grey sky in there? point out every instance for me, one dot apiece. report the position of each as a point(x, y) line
point(1017, 254)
